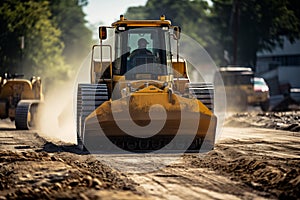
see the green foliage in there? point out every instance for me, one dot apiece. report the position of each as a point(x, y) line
point(261, 25)
point(55, 37)
point(42, 46)
point(175, 10)
point(77, 38)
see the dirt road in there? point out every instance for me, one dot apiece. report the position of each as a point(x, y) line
point(247, 163)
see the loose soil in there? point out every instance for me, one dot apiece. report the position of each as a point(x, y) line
point(248, 162)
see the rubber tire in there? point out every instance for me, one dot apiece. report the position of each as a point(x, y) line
point(265, 106)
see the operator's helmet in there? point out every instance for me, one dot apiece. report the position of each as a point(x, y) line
point(142, 42)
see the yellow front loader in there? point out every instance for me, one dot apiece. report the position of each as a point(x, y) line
point(140, 97)
point(19, 99)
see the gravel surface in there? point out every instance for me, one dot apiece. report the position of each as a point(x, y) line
point(32, 167)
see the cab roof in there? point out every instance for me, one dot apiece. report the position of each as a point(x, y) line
point(142, 23)
point(235, 69)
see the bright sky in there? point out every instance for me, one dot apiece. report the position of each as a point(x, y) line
point(108, 11)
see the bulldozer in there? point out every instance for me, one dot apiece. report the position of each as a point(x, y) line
point(19, 99)
point(140, 97)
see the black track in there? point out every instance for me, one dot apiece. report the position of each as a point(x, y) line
point(21, 118)
point(89, 97)
point(204, 92)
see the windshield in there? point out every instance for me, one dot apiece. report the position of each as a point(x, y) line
point(259, 81)
point(142, 50)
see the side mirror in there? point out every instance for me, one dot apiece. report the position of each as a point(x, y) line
point(102, 33)
point(177, 31)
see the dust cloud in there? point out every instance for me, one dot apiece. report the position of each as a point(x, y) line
point(57, 114)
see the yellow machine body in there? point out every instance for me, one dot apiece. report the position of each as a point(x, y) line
point(13, 90)
point(147, 98)
point(139, 105)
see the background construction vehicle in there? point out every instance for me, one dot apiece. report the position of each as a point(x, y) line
point(19, 99)
point(239, 85)
point(136, 83)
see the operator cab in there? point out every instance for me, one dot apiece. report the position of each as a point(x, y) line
point(141, 49)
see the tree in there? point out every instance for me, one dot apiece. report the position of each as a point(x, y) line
point(258, 24)
point(54, 34)
point(42, 46)
point(77, 38)
point(192, 16)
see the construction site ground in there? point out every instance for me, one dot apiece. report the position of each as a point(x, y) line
point(256, 157)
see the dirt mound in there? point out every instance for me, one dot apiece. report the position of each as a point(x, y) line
point(41, 175)
point(289, 121)
point(276, 176)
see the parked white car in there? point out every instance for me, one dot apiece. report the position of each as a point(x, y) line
point(261, 95)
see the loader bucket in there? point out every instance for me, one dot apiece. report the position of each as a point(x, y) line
point(150, 120)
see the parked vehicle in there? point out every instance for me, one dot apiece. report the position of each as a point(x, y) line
point(261, 93)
